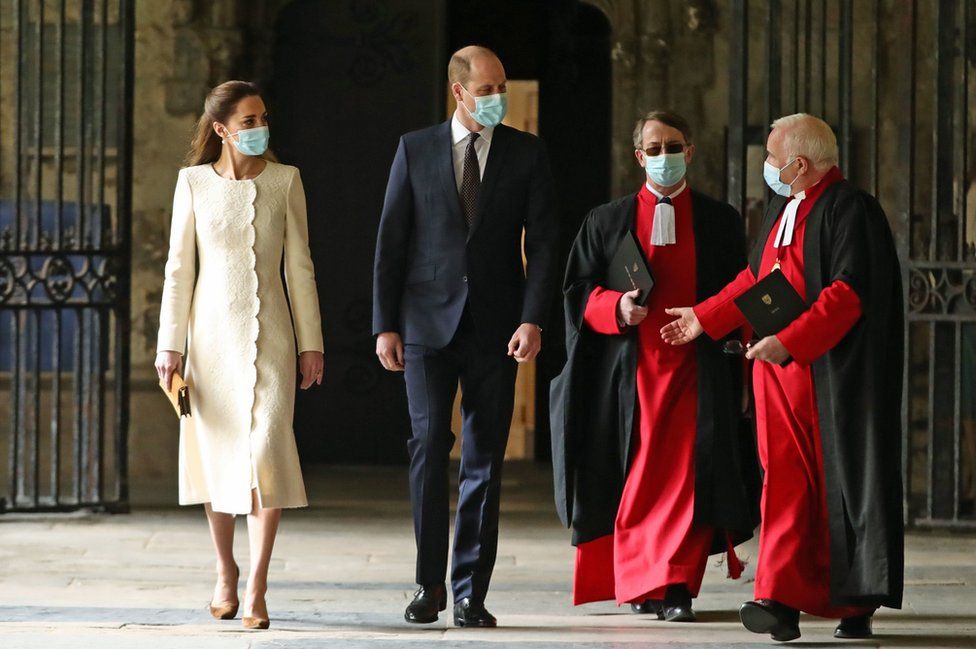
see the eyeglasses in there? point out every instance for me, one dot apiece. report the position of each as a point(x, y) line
point(669, 147)
point(736, 348)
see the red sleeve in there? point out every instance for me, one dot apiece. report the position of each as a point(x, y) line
point(718, 314)
point(823, 325)
point(601, 311)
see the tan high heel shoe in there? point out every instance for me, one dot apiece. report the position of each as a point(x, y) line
point(226, 610)
point(252, 623)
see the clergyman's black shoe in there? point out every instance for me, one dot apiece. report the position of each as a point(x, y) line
point(781, 622)
point(649, 607)
point(677, 605)
point(470, 613)
point(427, 602)
point(855, 628)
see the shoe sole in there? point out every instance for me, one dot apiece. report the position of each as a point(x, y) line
point(657, 614)
point(463, 624)
point(844, 635)
point(686, 616)
point(424, 621)
point(759, 620)
point(443, 607)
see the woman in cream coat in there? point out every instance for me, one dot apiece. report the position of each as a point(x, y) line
point(236, 214)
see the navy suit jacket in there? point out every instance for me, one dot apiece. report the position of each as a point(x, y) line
point(429, 264)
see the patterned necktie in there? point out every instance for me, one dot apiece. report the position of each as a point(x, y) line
point(470, 181)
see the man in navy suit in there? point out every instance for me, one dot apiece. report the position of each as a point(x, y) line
point(452, 301)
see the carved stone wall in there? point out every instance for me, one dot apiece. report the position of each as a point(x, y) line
point(668, 54)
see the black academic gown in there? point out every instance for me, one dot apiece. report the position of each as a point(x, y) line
point(858, 387)
point(592, 401)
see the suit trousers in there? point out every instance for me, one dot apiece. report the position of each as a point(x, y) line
point(487, 380)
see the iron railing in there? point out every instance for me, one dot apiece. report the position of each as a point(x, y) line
point(65, 252)
point(894, 78)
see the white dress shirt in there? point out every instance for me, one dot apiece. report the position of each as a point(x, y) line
point(459, 140)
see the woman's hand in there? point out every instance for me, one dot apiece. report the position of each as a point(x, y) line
point(311, 365)
point(166, 364)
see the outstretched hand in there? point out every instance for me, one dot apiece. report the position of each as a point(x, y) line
point(683, 330)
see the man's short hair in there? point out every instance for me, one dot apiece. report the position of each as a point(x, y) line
point(667, 117)
point(459, 67)
point(810, 137)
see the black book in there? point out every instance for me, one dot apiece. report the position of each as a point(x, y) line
point(629, 270)
point(771, 304)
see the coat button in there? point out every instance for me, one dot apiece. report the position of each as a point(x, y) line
point(464, 279)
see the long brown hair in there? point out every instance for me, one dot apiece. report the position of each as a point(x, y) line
point(219, 105)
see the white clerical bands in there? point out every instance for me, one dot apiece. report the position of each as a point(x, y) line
point(662, 230)
point(784, 235)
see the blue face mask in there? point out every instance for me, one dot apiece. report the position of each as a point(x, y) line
point(666, 169)
point(252, 141)
point(771, 176)
point(489, 111)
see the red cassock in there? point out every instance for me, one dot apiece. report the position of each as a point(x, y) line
point(793, 567)
point(655, 543)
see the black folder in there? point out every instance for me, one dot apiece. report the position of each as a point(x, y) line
point(771, 304)
point(629, 270)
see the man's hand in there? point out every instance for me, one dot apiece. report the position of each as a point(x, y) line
point(312, 365)
point(525, 342)
point(683, 330)
point(629, 312)
point(166, 364)
point(389, 349)
point(769, 349)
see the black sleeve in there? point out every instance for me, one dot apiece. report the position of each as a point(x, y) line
point(586, 269)
point(850, 246)
point(540, 242)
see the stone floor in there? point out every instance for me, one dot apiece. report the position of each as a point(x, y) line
point(343, 571)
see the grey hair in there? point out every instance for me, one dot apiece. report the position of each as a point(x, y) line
point(810, 137)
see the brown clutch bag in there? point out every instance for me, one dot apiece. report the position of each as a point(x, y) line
point(178, 394)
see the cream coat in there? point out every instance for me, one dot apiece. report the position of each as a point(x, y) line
point(231, 318)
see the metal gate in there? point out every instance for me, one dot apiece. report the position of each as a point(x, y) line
point(896, 80)
point(65, 177)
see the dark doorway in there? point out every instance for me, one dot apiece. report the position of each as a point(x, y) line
point(348, 79)
point(565, 45)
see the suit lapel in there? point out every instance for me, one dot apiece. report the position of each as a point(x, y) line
point(493, 166)
point(444, 155)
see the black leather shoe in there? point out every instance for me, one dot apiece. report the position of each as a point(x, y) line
point(678, 614)
point(470, 613)
point(677, 605)
point(427, 602)
point(781, 622)
point(855, 628)
point(649, 607)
